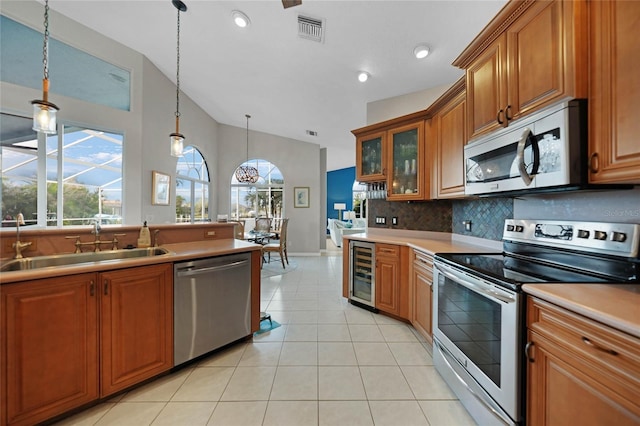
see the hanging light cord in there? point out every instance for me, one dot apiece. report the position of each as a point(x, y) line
point(178, 74)
point(248, 117)
point(45, 48)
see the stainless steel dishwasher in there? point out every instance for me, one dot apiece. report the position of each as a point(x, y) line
point(212, 304)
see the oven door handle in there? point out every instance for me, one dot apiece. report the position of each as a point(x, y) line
point(480, 399)
point(485, 290)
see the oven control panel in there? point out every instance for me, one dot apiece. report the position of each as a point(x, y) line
point(619, 239)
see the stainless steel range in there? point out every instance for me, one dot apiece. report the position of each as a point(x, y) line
point(478, 308)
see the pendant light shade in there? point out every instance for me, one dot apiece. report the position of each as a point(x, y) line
point(246, 173)
point(44, 112)
point(176, 139)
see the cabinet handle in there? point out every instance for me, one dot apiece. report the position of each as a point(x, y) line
point(588, 342)
point(526, 351)
point(106, 287)
point(498, 117)
point(508, 116)
point(92, 288)
point(594, 163)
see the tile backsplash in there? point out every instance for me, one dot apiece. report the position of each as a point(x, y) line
point(486, 214)
point(418, 216)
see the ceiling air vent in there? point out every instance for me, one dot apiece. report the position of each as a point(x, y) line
point(310, 28)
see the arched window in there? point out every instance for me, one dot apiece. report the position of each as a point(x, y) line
point(192, 187)
point(263, 198)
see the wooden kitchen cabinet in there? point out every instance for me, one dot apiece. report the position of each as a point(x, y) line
point(370, 157)
point(136, 325)
point(392, 288)
point(49, 346)
point(532, 54)
point(450, 136)
point(421, 294)
point(406, 160)
point(579, 369)
point(70, 340)
point(614, 98)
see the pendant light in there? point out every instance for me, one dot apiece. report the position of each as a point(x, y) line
point(177, 138)
point(246, 173)
point(44, 112)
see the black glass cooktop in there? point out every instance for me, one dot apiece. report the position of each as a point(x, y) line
point(514, 270)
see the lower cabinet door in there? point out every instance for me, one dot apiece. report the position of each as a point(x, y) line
point(50, 347)
point(562, 388)
point(136, 325)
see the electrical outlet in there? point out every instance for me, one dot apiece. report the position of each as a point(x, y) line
point(394, 220)
point(467, 225)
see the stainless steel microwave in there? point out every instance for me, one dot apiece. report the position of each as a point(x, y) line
point(543, 152)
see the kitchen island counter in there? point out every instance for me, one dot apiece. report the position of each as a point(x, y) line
point(178, 252)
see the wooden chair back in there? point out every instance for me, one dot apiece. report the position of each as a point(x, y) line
point(263, 224)
point(238, 230)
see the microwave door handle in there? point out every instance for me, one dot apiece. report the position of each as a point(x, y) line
point(522, 167)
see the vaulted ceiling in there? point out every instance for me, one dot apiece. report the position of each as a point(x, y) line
point(291, 84)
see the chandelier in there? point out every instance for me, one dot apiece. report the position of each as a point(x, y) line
point(177, 139)
point(246, 173)
point(44, 112)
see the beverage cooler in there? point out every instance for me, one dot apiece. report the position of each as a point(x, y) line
point(362, 274)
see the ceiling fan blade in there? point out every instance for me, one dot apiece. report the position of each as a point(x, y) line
point(291, 3)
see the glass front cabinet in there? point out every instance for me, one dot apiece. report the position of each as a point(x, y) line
point(405, 162)
point(370, 156)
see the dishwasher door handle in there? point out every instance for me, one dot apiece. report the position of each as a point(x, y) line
point(195, 270)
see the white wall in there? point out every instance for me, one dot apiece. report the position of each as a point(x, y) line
point(146, 128)
point(398, 106)
point(300, 165)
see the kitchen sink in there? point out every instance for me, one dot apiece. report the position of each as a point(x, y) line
point(28, 263)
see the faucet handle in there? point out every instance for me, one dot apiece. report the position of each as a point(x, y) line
point(115, 241)
point(78, 244)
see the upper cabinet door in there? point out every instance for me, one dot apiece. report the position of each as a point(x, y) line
point(370, 155)
point(547, 56)
point(406, 170)
point(487, 89)
point(538, 60)
point(451, 138)
point(614, 100)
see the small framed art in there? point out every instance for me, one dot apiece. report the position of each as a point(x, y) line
point(161, 189)
point(301, 196)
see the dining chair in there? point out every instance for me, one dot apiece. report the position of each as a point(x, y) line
point(263, 224)
point(238, 230)
point(279, 246)
point(276, 225)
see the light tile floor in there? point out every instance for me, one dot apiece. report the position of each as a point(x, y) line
point(330, 363)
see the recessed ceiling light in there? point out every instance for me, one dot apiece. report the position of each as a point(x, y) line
point(240, 19)
point(363, 76)
point(421, 51)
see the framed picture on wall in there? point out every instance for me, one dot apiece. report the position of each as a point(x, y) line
point(301, 196)
point(160, 189)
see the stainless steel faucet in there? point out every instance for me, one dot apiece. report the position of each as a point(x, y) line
point(19, 245)
point(96, 229)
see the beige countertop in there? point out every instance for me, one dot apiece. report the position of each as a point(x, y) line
point(179, 252)
point(616, 305)
point(429, 242)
